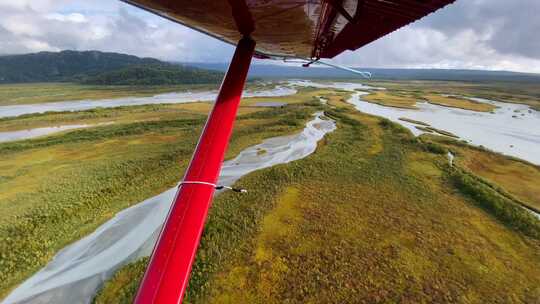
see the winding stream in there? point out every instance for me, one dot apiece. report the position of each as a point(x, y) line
point(78, 270)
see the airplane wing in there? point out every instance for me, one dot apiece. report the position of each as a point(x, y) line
point(295, 28)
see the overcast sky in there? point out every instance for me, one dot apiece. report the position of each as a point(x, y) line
point(471, 34)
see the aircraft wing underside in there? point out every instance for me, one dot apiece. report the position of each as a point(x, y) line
point(295, 28)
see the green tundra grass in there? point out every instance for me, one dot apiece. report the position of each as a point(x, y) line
point(374, 216)
point(30, 93)
point(56, 189)
point(518, 178)
point(514, 92)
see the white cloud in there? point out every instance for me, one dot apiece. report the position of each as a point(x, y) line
point(423, 46)
point(36, 46)
point(480, 34)
point(30, 26)
point(73, 17)
point(36, 5)
point(17, 25)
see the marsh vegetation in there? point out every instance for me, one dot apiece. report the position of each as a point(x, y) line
point(407, 100)
point(512, 92)
point(373, 200)
point(56, 189)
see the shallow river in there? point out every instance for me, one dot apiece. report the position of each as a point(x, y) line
point(182, 97)
point(77, 271)
point(512, 129)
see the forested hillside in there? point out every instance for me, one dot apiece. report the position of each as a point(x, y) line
point(161, 74)
point(97, 68)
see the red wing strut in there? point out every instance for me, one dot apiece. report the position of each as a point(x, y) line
point(167, 275)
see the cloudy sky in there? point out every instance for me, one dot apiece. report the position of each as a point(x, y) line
point(471, 34)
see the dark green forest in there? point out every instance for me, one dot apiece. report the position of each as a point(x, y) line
point(94, 67)
point(161, 74)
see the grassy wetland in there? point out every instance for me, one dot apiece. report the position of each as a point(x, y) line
point(374, 216)
point(57, 189)
point(13, 94)
point(392, 99)
point(399, 98)
point(33, 93)
point(513, 177)
point(515, 92)
point(455, 102)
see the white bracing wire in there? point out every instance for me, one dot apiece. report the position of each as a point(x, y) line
point(364, 74)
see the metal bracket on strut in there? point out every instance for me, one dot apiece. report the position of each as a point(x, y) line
point(217, 187)
point(307, 64)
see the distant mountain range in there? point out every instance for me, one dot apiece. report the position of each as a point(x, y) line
point(281, 71)
point(103, 68)
point(94, 67)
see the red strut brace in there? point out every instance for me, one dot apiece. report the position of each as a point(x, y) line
point(167, 275)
